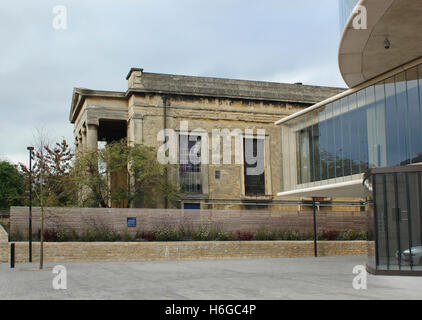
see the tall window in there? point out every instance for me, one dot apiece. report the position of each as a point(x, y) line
point(190, 165)
point(254, 172)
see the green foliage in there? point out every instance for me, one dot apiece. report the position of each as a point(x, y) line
point(201, 234)
point(183, 233)
point(263, 235)
point(16, 235)
point(123, 175)
point(352, 235)
point(11, 186)
point(67, 235)
point(51, 183)
point(166, 234)
point(127, 237)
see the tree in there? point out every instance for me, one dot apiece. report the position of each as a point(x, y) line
point(11, 186)
point(51, 173)
point(51, 183)
point(124, 176)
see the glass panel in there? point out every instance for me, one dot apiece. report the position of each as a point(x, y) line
point(314, 148)
point(371, 125)
point(420, 107)
point(361, 122)
point(304, 156)
point(338, 139)
point(347, 138)
point(414, 202)
point(380, 147)
point(381, 230)
point(415, 181)
point(323, 144)
point(391, 124)
point(401, 120)
point(391, 220)
point(403, 221)
point(414, 116)
point(330, 142)
point(355, 134)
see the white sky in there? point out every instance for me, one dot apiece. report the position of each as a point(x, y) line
point(270, 40)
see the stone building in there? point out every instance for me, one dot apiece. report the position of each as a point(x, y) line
point(154, 102)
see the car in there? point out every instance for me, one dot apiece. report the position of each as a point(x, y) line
point(416, 255)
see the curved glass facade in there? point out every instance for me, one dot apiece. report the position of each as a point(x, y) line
point(378, 126)
point(346, 7)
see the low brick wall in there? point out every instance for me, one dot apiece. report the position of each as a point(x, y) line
point(151, 219)
point(147, 251)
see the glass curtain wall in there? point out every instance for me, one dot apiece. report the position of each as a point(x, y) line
point(398, 218)
point(346, 7)
point(378, 126)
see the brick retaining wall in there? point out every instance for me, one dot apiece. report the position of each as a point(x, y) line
point(150, 219)
point(146, 251)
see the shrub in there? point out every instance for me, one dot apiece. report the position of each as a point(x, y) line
point(244, 235)
point(263, 235)
point(201, 234)
point(219, 235)
point(183, 233)
point(127, 237)
point(290, 235)
point(330, 234)
point(50, 235)
point(166, 234)
point(17, 236)
point(146, 235)
point(88, 235)
point(67, 235)
point(350, 234)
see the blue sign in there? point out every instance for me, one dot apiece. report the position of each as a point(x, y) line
point(131, 222)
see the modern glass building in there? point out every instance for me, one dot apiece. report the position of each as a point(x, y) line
point(377, 126)
point(346, 7)
point(366, 141)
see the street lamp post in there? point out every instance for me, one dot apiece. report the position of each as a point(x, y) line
point(30, 149)
point(315, 228)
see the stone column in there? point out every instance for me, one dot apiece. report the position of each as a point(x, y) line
point(91, 138)
point(135, 129)
point(77, 146)
point(83, 140)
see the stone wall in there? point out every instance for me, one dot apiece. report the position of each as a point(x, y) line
point(4, 249)
point(148, 251)
point(151, 219)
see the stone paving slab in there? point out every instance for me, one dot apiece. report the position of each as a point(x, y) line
point(294, 278)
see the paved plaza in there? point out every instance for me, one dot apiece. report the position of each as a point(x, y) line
point(298, 278)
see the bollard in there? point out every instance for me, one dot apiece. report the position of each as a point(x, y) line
point(12, 255)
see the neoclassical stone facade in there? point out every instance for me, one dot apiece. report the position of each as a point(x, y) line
point(154, 102)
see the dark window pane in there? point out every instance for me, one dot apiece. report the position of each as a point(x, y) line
point(254, 183)
point(189, 172)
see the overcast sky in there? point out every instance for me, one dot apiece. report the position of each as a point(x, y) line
point(271, 40)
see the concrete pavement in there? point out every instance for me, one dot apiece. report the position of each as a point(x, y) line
point(297, 278)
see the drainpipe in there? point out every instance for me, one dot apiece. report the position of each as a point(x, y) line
point(164, 98)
